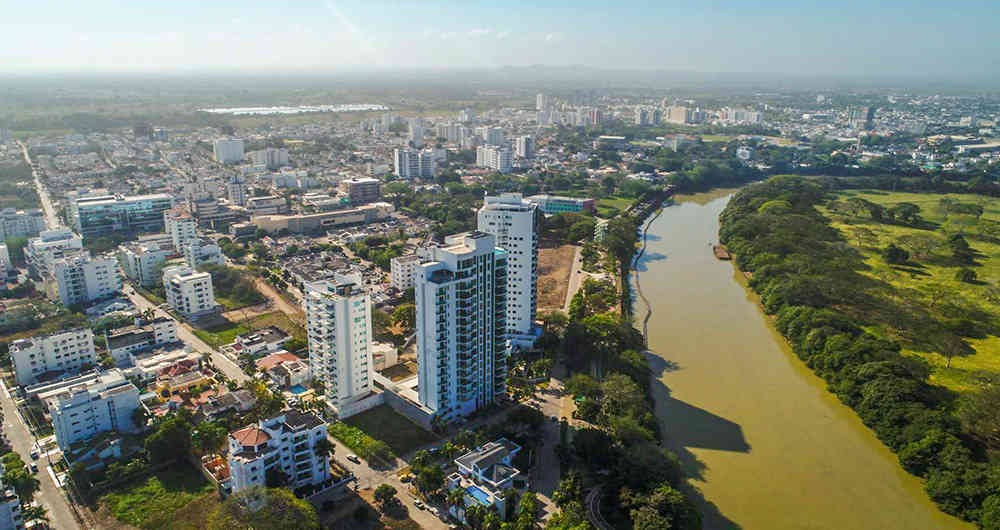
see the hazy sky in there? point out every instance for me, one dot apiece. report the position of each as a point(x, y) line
point(852, 37)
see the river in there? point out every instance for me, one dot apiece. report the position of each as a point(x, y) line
point(766, 445)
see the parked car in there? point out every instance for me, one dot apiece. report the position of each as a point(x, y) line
point(354, 459)
point(34, 467)
point(419, 505)
point(34, 454)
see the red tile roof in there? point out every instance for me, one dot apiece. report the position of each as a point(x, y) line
point(275, 359)
point(250, 436)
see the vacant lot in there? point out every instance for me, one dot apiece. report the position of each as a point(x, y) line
point(176, 498)
point(399, 433)
point(953, 325)
point(221, 331)
point(554, 267)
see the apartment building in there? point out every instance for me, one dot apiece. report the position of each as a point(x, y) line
point(81, 279)
point(49, 246)
point(461, 299)
point(181, 226)
point(141, 261)
point(339, 321)
point(189, 292)
point(101, 215)
point(125, 343)
point(53, 355)
point(401, 270)
point(201, 251)
point(20, 223)
point(287, 442)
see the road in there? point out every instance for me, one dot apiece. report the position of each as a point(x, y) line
point(49, 494)
point(594, 510)
point(225, 365)
point(51, 219)
point(576, 276)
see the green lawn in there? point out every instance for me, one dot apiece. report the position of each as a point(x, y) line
point(928, 301)
point(612, 206)
point(153, 502)
point(226, 331)
point(398, 432)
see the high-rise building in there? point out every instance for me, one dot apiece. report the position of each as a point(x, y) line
point(20, 223)
point(95, 216)
point(361, 190)
point(236, 190)
point(596, 117)
point(87, 405)
point(677, 114)
point(190, 293)
point(49, 246)
point(339, 318)
point(288, 442)
point(461, 298)
point(60, 353)
point(401, 270)
point(525, 147)
point(491, 135)
point(416, 133)
point(500, 159)
point(542, 103)
point(270, 158)
point(410, 163)
point(181, 226)
point(514, 223)
point(228, 151)
point(141, 261)
point(201, 251)
point(80, 279)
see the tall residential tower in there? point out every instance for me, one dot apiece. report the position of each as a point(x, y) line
point(461, 298)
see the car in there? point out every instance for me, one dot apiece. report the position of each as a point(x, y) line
point(354, 459)
point(34, 455)
point(405, 478)
point(419, 505)
point(34, 467)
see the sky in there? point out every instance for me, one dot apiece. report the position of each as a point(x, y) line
point(958, 38)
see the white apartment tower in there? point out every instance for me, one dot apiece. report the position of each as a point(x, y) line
point(499, 159)
point(87, 405)
point(181, 226)
point(228, 151)
point(236, 190)
point(189, 292)
point(525, 147)
point(410, 163)
point(416, 134)
point(461, 325)
point(66, 352)
point(338, 315)
point(513, 222)
point(287, 442)
point(81, 279)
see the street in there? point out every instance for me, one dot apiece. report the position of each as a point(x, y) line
point(49, 494)
point(51, 220)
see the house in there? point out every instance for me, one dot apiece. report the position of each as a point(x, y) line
point(290, 373)
point(216, 406)
point(261, 342)
point(484, 474)
point(124, 343)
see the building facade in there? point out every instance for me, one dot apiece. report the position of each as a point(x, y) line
point(49, 246)
point(142, 262)
point(338, 315)
point(201, 251)
point(190, 293)
point(553, 204)
point(361, 190)
point(499, 159)
point(87, 405)
point(82, 279)
point(287, 442)
point(102, 215)
point(461, 299)
point(401, 270)
point(125, 343)
point(514, 223)
point(228, 151)
point(181, 226)
point(46, 356)
point(20, 223)
point(411, 163)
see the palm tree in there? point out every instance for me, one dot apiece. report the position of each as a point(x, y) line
point(456, 498)
point(35, 513)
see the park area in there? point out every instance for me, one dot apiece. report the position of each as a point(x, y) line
point(176, 498)
point(940, 297)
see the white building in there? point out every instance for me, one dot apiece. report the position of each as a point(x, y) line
point(491, 135)
point(410, 163)
point(485, 473)
point(81, 279)
point(49, 246)
point(11, 517)
point(513, 222)
point(416, 134)
point(228, 151)
point(236, 190)
point(542, 103)
point(89, 404)
point(270, 158)
point(125, 343)
point(500, 159)
point(338, 314)
point(181, 226)
point(66, 352)
point(188, 292)
point(20, 223)
point(401, 269)
point(5, 264)
point(141, 261)
point(287, 442)
point(461, 325)
point(525, 147)
point(200, 251)
point(267, 205)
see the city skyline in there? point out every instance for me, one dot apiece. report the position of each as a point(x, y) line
point(852, 39)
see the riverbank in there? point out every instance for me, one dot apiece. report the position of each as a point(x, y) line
point(763, 442)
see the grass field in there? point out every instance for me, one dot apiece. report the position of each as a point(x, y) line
point(176, 498)
point(226, 331)
point(399, 433)
point(927, 302)
point(612, 206)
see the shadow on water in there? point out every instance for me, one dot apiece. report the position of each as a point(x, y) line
point(653, 237)
point(647, 258)
point(688, 426)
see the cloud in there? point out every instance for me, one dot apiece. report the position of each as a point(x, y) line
point(552, 37)
point(479, 32)
point(503, 34)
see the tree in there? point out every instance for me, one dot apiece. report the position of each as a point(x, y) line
point(920, 245)
point(894, 255)
point(171, 441)
point(430, 478)
point(209, 436)
point(385, 495)
point(584, 386)
point(264, 509)
point(960, 250)
point(980, 415)
point(17, 476)
point(406, 315)
point(866, 237)
point(965, 275)
point(456, 498)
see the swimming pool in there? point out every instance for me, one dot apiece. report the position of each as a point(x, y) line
point(477, 493)
point(297, 389)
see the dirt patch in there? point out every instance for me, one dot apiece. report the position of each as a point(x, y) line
point(405, 369)
point(554, 267)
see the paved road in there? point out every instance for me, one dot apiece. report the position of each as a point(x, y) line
point(49, 494)
point(576, 276)
point(221, 362)
point(51, 219)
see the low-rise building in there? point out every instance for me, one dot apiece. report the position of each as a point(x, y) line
point(125, 343)
point(190, 293)
point(361, 190)
point(142, 261)
point(95, 216)
point(200, 251)
point(401, 270)
point(289, 443)
point(87, 405)
point(45, 357)
point(267, 205)
point(81, 279)
point(261, 342)
point(11, 517)
point(484, 474)
point(323, 221)
point(553, 204)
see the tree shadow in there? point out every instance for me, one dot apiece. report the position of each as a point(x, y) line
point(685, 426)
point(648, 257)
